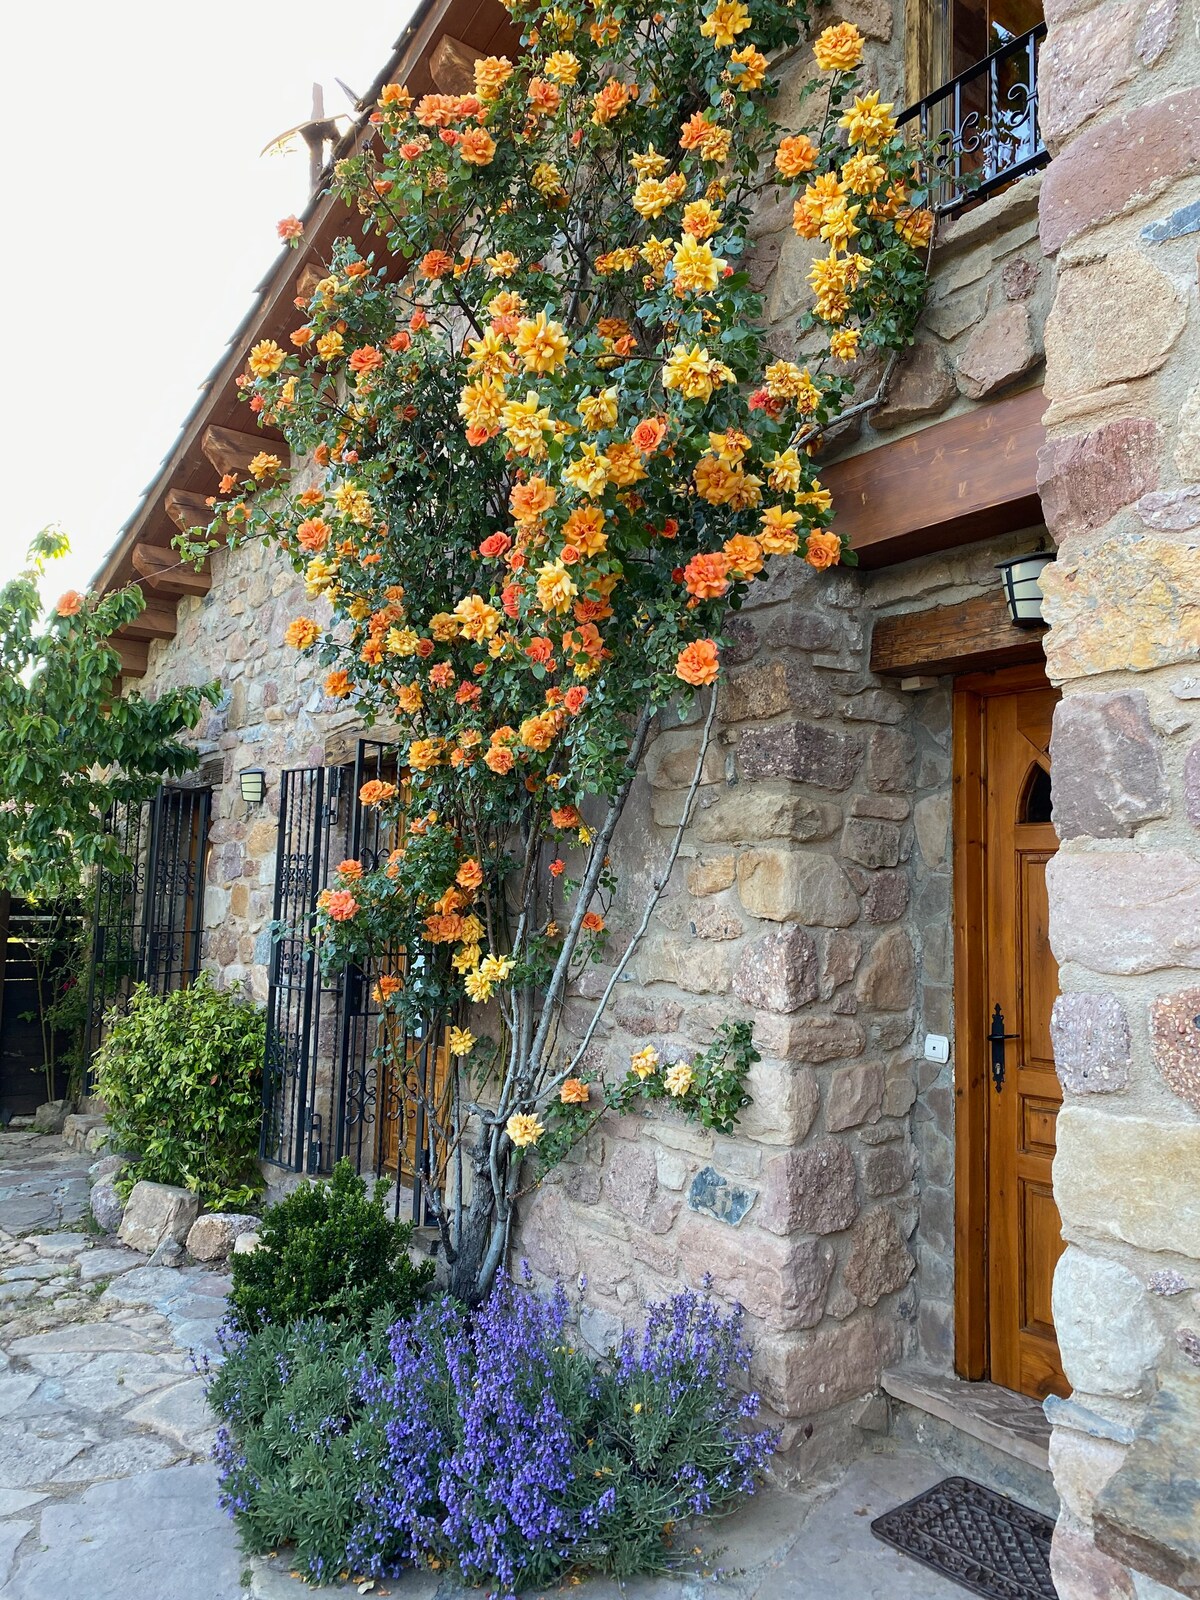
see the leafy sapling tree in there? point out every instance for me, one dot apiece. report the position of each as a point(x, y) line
point(70, 746)
point(548, 449)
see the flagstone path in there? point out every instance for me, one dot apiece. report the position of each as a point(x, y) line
point(107, 1492)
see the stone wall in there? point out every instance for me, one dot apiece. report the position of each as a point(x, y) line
point(272, 714)
point(1121, 491)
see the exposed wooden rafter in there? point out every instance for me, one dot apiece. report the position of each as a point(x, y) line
point(230, 451)
point(189, 512)
point(970, 477)
point(134, 654)
point(157, 620)
point(968, 637)
point(452, 65)
point(163, 571)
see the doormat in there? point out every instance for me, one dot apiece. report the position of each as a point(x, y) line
point(977, 1538)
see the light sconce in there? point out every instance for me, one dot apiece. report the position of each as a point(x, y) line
point(1021, 577)
point(253, 784)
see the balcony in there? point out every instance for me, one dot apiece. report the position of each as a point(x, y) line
point(985, 123)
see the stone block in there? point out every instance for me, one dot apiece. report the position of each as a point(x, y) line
point(1090, 1036)
point(107, 1206)
point(1148, 1513)
point(800, 751)
point(1175, 1042)
point(1084, 479)
point(1141, 153)
point(855, 1096)
point(879, 1262)
point(931, 820)
point(711, 874)
point(1186, 453)
point(796, 886)
point(886, 896)
point(1020, 278)
point(213, 1236)
point(246, 1244)
point(778, 973)
point(922, 386)
point(810, 1190)
point(1083, 65)
point(1081, 1466)
point(891, 757)
point(783, 1281)
point(805, 1376)
point(715, 1195)
point(886, 1169)
point(871, 842)
point(672, 758)
point(1144, 315)
point(1125, 911)
point(887, 978)
point(1130, 1179)
point(1108, 766)
point(548, 1238)
point(154, 1212)
point(1157, 32)
point(1081, 1572)
point(785, 1098)
point(818, 1039)
point(1191, 785)
point(50, 1116)
point(1000, 351)
point(757, 811)
point(762, 690)
point(1107, 1337)
point(1171, 510)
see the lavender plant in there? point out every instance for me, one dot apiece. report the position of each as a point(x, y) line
point(488, 1444)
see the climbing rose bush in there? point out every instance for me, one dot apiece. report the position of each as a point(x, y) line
point(492, 1447)
point(546, 450)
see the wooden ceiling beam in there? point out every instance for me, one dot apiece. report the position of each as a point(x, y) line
point(164, 572)
point(968, 637)
point(189, 512)
point(970, 477)
point(231, 451)
point(157, 620)
point(134, 654)
point(452, 65)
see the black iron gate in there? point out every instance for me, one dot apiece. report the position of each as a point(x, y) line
point(329, 1089)
point(148, 914)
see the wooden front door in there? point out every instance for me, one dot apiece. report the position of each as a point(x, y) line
point(1010, 985)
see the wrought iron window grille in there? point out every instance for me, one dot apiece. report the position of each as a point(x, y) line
point(986, 123)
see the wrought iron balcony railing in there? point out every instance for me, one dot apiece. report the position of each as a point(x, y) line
point(986, 122)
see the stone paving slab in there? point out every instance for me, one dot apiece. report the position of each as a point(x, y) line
point(106, 1491)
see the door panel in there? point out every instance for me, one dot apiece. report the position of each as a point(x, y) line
point(1023, 1231)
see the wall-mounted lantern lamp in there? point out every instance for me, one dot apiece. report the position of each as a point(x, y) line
point(1021, 577)
point(253, 784)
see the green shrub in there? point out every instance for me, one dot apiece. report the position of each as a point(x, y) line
point(182, 1076)
point(295, 1448)
point(327, 1250)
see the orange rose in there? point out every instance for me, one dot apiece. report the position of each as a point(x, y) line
point(338, 685)
point(593, 922)
point(350, 868)
point(796, 155)
point(574, 1092)
point(499, 758)
point(469, 875)
point(698, 663)
point(302, 634)
point(69, 604)
point(823, 550)
point(435, 264)
point(648, 435)
point(376, 792)
point(707, 576)
point(477, 147)
point(313, 534)
point(366, 358)
point(339, 904)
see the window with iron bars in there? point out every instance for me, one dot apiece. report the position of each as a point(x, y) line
point(982, 55)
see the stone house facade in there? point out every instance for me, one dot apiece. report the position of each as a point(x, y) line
point(873, 864)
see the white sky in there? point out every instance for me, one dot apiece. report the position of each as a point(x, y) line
point(139, 218)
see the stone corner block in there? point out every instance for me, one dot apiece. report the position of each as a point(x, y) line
point(1090, 1034)
point(154, 1212)
point(214, 1236)
point(1109, 775)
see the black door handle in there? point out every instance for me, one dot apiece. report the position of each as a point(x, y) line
point(997, 1036)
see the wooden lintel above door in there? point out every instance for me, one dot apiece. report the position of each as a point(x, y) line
point(970, 477)
point(968, 637)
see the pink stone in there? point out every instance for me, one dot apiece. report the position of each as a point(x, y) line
point(999, 351)
point(879, 1261)
point(1125, 911)
point(1084, 479)
point(1121, 164)
point(1175, 1042)
point(810, 1190)
point(922, 386)
point(1083, 65)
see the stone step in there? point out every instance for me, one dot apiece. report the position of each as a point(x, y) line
point(987, 1433)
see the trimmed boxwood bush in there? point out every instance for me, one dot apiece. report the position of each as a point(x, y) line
point(327, 1250)
point(182, 1077)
